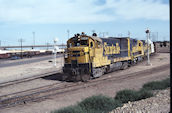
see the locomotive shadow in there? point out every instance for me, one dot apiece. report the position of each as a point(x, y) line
point(55, 77)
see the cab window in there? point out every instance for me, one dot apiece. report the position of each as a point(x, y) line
point(91, 44)
point(84, 42)
point(140, 44)
point(98, 44)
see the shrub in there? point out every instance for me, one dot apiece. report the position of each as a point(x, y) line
point(70, 109)
point(166, 82)
point(126, 95)
point(130, 95)
point(99, 104)
point(144, 93)
point(157, 85)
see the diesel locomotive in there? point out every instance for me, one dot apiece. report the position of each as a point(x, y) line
point(89, 57)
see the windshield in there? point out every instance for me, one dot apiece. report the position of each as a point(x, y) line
point(78, 43)
point(83, 41)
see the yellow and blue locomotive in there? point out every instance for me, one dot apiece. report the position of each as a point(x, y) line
point(90, 56)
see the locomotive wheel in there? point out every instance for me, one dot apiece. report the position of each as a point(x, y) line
point(124, 65)
point(64, 78)
point(85, 77)
point(77, 78)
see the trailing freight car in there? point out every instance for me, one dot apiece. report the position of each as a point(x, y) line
point(90, 56)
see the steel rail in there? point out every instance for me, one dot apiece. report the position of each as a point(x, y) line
point(28, 78)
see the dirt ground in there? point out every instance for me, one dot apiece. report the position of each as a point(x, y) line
point(28, 70)
point(108, 89)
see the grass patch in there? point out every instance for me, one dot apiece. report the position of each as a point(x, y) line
point(126, 95)
point(94, 104)
point(130, 95)
point(99, 104)
point(157, 85)
point(143, 94)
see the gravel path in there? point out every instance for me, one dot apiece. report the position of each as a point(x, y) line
point(160, 103)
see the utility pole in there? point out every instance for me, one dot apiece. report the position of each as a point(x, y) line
point(104, 34)
point(157, 36)
point(93, 31)
point(129, 34)
point(100, 34)
point(68, 31)
point(21, 41)
point(33, 39)
point(63, 55)
point(120, 35)
point(47, 45)
point(148, 36)
point(154, 36)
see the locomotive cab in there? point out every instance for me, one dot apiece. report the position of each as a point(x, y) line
point(78, 57)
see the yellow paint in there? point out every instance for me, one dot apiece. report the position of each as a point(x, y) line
point(138, 49)
point(95, 52)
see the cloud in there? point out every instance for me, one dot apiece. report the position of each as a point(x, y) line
point(138, 9)
point(80, 11)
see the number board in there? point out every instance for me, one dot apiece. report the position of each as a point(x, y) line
point(84, 38)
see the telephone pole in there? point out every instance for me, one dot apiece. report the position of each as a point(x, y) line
point(21, 44)
point(120, 35)
point(33, 39)
point(47, 45)
point(129, 34)
point(93, 31)
point(68, 31)
point(104, 34)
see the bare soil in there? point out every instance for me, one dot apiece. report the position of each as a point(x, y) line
point(28, 70)
point(107, 88)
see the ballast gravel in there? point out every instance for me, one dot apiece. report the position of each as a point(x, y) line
point(160, 103)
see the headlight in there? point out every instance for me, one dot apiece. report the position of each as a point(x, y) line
point(66, 55)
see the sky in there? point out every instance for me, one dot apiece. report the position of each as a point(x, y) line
point(50, 19)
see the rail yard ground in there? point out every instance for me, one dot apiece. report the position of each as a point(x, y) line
point(108, 88)
point(22, 68)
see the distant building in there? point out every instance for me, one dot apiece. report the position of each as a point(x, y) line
point(162, 46)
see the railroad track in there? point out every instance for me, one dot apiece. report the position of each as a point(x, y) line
point(39, 94)
point(4, 84)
